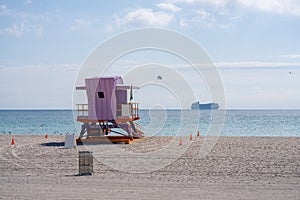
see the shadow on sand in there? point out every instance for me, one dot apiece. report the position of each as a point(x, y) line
point(53, 144)
point(61, 144)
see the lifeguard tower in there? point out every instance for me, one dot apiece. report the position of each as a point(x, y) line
point(109, 115)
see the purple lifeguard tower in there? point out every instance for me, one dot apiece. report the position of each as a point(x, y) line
point(109, 114)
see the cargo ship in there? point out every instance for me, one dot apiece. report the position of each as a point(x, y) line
point(205, 106)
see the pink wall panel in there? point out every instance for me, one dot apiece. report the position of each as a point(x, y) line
point(102, 108)
point(91, 86)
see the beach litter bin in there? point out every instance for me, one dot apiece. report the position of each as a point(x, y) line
point(85, 163)
point(70, 141)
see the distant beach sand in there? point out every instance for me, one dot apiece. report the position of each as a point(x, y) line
point(237, 168)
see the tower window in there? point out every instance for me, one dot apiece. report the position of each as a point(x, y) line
point(101, 95)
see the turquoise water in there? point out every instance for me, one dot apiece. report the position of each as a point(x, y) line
point(160, 122)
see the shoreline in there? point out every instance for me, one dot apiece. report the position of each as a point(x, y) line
point(194, 135)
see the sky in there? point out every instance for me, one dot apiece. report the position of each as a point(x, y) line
point(253, 43)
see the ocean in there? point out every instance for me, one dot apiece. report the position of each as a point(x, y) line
point(162, 122)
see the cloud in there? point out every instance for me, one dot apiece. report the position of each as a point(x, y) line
point(256, 64)
point(37, 68)
point(278, 6)
point(208, 19)
point(80, 24)
point(291, 56)
point(218, 3)
point(237, 66)
point(183, 24)
point(168, 6)
point(204, 17)
point(27, 2)
point(145, 17)
point(23, 22)
point(4, 10)
point(148, 17)
point(38, 30)
point(289, 7)
point(18, 30)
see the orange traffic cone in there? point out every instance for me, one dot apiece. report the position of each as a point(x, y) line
point(198, 134)
point(180, 141)
point(191, 137)
point(12, 141)
point(46, 136)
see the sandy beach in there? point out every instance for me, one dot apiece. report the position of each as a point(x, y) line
point(236, 168)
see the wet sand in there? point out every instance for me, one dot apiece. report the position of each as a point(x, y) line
point(236, 168)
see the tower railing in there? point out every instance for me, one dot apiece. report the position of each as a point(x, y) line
point(82, 110)
point(132, 111)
